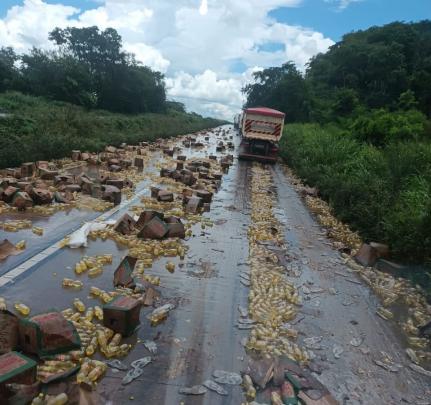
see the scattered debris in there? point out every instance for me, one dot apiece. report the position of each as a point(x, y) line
point(420, 370)
point(150, 346)
point(117, 364)
point(213, 386)
point(195, 390)
point(337, 350)
point(227, 377)
point(136, 370)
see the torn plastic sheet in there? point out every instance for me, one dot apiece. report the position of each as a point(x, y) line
point(79, 237)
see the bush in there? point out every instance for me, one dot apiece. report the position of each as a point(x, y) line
point(380, 127)
point(407, 223)
point(383, 193)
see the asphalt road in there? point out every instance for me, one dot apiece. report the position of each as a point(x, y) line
point(201, 335)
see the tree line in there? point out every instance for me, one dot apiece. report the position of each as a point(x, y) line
point(88, 67)
point(380, 70)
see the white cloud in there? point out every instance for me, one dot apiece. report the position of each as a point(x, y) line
point(194, 42)
point(343, 4)
point(203, 9)
point(148, 55)
point(28, 25)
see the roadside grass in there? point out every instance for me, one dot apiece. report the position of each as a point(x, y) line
point(33, 128)
point(383, 193)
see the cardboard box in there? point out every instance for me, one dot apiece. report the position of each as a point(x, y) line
point(205, 195)
point(17, 368)
point(193, 205)
point(111, 194)
point(165, 196)
point(176, 230)
point(76, 155)
point(22, 200)
point(146, 216)
point(122, 314)
point(46, 174)
point(125, 225)
point(116, 183)
point(154, 229)
point(8, 331)
point(123, 273)
point(139, 162)
point(41, 196)
point(47, 334)
point(28, 169)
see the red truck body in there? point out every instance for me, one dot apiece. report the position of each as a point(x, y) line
point(261, 129)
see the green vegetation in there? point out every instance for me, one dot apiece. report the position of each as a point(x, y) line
point(359, 130)
point(385, 194)
point(37, 129)
point(87, 67)
point(76, 97)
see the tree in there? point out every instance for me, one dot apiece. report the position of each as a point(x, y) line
point(58, 77)
point(99, 50)
point(407, 101)
point(378, 64)
point(282, 88)
point(8, 70)
point(346, 101)
point(117, 81)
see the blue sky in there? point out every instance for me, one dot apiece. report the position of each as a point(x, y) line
point(208, 50)
point(328, 18)
point(81, 4)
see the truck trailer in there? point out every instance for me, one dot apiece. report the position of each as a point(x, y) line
point(261, 129)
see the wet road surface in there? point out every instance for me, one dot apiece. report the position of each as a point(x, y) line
point(347, 318)
point(200, 334)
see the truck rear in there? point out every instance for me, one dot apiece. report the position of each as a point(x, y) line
point(261, 130)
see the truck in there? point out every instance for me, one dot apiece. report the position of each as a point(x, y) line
point(261, 129)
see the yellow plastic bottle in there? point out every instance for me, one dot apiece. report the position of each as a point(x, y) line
point(115, 341)
point(80, 267)
point(106, 297)
point(20, 245)
point(89, 314)
point(95, 271)
point(69, 283)
point(83, 372)
point(37, 231)
point(91, 348)
point(101, 339)
point(60, 399)
point(3, 304)
point(98, 312)
point(22, 308)
point(39, 400)
point(97, 372)
point(75, 317)
point(79, 305)
point(97, 292)
point(170, 267)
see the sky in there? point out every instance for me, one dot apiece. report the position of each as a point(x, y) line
point(207, 49)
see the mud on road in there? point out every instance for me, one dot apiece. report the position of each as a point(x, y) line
point(336, 321)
